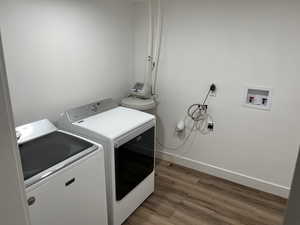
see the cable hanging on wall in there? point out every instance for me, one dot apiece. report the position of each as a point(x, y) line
point(201, 120)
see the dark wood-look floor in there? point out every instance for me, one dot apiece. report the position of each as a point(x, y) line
point(187, 197)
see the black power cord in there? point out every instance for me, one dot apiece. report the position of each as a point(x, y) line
point(196, 111)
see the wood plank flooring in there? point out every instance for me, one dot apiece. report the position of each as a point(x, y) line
point(187, 197)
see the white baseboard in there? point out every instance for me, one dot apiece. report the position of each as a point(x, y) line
point(239, 178)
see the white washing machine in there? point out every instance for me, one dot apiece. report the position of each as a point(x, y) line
point(64, 176)
point(128, 138)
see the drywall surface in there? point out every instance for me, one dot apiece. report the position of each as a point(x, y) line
point(140, 38)
point(61, 54)
point(234, 44)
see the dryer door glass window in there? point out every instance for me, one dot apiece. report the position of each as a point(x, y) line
point(134, 161)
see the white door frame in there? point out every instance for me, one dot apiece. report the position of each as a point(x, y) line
point(292, 216)
point(13, 204)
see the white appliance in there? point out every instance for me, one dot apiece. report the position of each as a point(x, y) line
point(128, 138)
point(64, 176)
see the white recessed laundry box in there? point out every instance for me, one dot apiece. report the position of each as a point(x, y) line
point(258, 98)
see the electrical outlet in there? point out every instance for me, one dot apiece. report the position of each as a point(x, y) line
point(213, 90)
point(211, 126)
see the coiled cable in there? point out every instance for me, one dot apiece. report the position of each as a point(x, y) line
point(198, 114)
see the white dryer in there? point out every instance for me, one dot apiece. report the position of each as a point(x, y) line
point(128, 138)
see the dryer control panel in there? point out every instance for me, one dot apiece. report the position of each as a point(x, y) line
point(91, 109)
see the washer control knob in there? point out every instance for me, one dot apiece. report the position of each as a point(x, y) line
point(18, 134)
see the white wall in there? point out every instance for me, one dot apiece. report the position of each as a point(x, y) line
point(234, 44)
point(140, 38)
point(62, 54)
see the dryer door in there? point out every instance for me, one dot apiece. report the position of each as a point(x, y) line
point(134, 161)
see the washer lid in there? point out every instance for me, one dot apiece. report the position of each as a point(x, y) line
point(49, 151)
point(115, 122)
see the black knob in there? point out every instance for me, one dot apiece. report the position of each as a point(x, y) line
point(31, 201)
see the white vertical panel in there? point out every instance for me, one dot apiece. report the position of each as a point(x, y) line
point(13, 210)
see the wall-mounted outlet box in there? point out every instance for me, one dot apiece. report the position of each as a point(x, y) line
point(258, 98)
